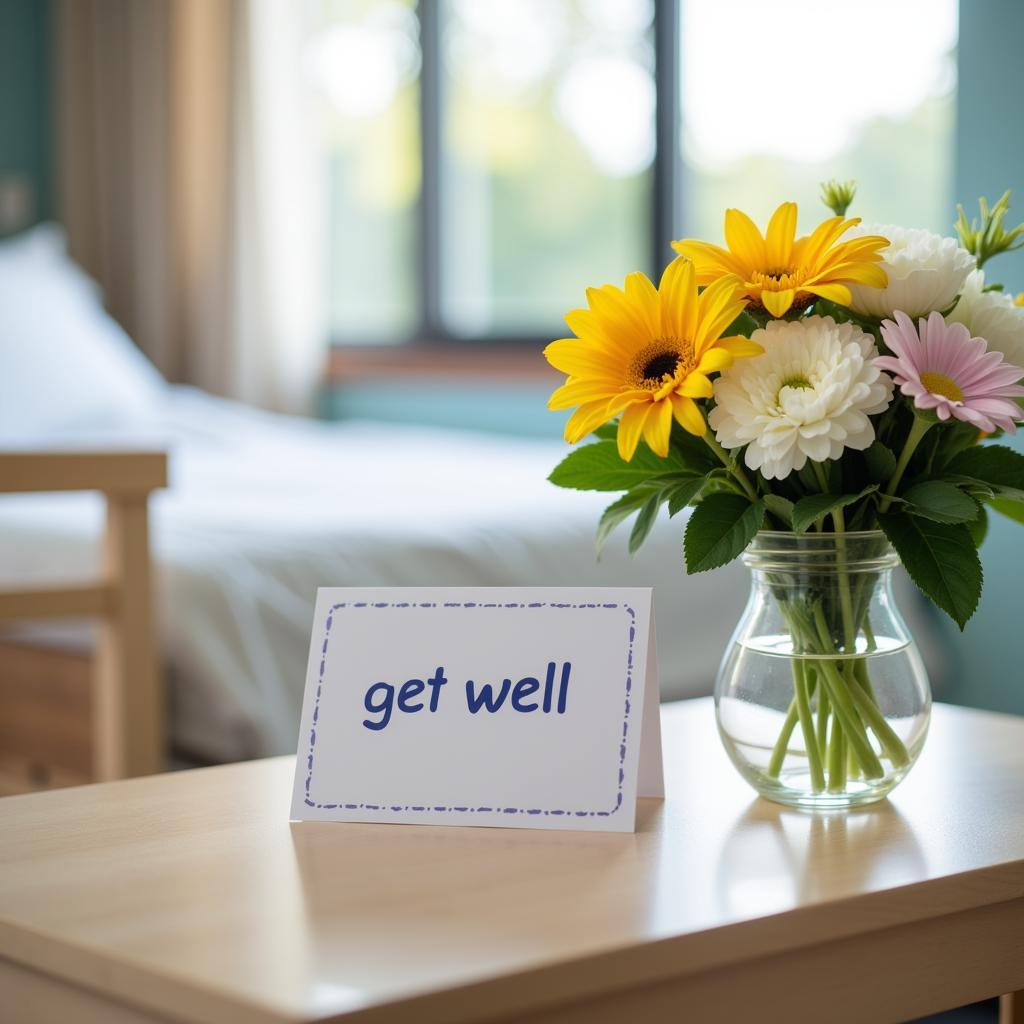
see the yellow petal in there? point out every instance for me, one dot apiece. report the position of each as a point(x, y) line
point(644, 298)
point(624, 398)
point(579, 392)
point(696, 385)
point(870, 274)
point(630, 427)
point(779, 237)
point(589, 327)
point(688, 415)
point(620, 317)
point(848, 254)
point(838, 293)
point(578, 358)
point(778, 303)
point(585, 419)
point(739, 346)
point(720, 304)
point(809, 249)
point(710, 261)
point(658, 427)
point(678, 292)
point(716, 359)
point(744, 240)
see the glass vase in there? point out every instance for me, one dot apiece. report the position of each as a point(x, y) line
point(822, 699)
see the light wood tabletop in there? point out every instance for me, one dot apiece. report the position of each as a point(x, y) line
point(190, 897)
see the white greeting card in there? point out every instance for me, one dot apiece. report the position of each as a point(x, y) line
point(513, 707)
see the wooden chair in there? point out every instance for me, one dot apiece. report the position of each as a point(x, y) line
point(46, 720)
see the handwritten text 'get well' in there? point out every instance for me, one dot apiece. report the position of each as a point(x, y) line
point(527, 695)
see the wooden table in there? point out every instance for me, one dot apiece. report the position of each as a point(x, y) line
point(189, 897)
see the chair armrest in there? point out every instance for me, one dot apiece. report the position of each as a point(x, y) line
point(122, 473)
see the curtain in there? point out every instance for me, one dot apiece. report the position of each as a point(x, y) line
point(189, 187)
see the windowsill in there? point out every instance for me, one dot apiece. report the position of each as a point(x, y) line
point(504, 363)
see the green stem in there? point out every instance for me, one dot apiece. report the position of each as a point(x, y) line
point(782, 743)
point(892, 745)
point(842, 703)
point(845, 600)
point(803, 704)
point(846, 713)
point(824, 710)
point(837, 759)
point(731, 465)
point(852, 768)
point(819, 475)
point(918, 429)
point(869, 633)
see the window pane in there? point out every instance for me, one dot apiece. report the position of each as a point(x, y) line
point(547, 144)
point(363, 56)
point(808, 91)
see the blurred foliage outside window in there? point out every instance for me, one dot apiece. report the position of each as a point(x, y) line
point(547, 141)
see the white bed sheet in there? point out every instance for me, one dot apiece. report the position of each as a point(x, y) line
point(263, 509)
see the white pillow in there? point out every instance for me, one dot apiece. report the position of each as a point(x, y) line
point(64, 363)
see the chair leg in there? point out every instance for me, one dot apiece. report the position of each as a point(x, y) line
point(128, 704)
point(1011, 1008)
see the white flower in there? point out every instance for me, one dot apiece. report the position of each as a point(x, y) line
point(926, 272)
point(992, 316)
point(808, 396)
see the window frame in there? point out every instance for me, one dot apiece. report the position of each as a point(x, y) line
point(664, 202)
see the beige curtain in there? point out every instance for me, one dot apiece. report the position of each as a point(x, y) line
point(188, 186)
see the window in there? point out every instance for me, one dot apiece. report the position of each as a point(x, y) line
point(487, 159)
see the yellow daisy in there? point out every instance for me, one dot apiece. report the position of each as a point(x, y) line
point(646, 353)
point(780, 271)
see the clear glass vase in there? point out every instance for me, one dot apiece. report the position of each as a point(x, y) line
point(822, 699)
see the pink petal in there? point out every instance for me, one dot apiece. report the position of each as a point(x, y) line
point(968, 415)
point(994, 406)
point(890, 363)
point(1002, 377)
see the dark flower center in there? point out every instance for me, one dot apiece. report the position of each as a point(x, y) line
point(656, 368)
point(659, 363)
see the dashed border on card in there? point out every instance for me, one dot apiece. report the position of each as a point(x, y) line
point(465, 809)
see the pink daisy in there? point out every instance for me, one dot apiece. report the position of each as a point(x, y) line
point(941, 367)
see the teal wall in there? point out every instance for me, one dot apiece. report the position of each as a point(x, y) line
point(990, 158)
point(26, 150)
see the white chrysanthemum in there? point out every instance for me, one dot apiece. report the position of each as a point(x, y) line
point(807, 396)
point(925, 270)
point(993, 316)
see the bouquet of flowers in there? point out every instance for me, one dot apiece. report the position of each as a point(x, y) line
point(847, 383)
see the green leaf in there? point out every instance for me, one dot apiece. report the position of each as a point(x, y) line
point(976, 488)
point(607, 431)
point(780, 507)
point(978, 527)
point(618, 512)
point(941, 559)
point(1011, 509)
point(683, 493)
point(721, 526)
point(954, 437)
point(645, 521)
point(696, 456)
point(1001, 468)
point(940, 501)
point(815, 506)
point(881, 463)
point(599, 467)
